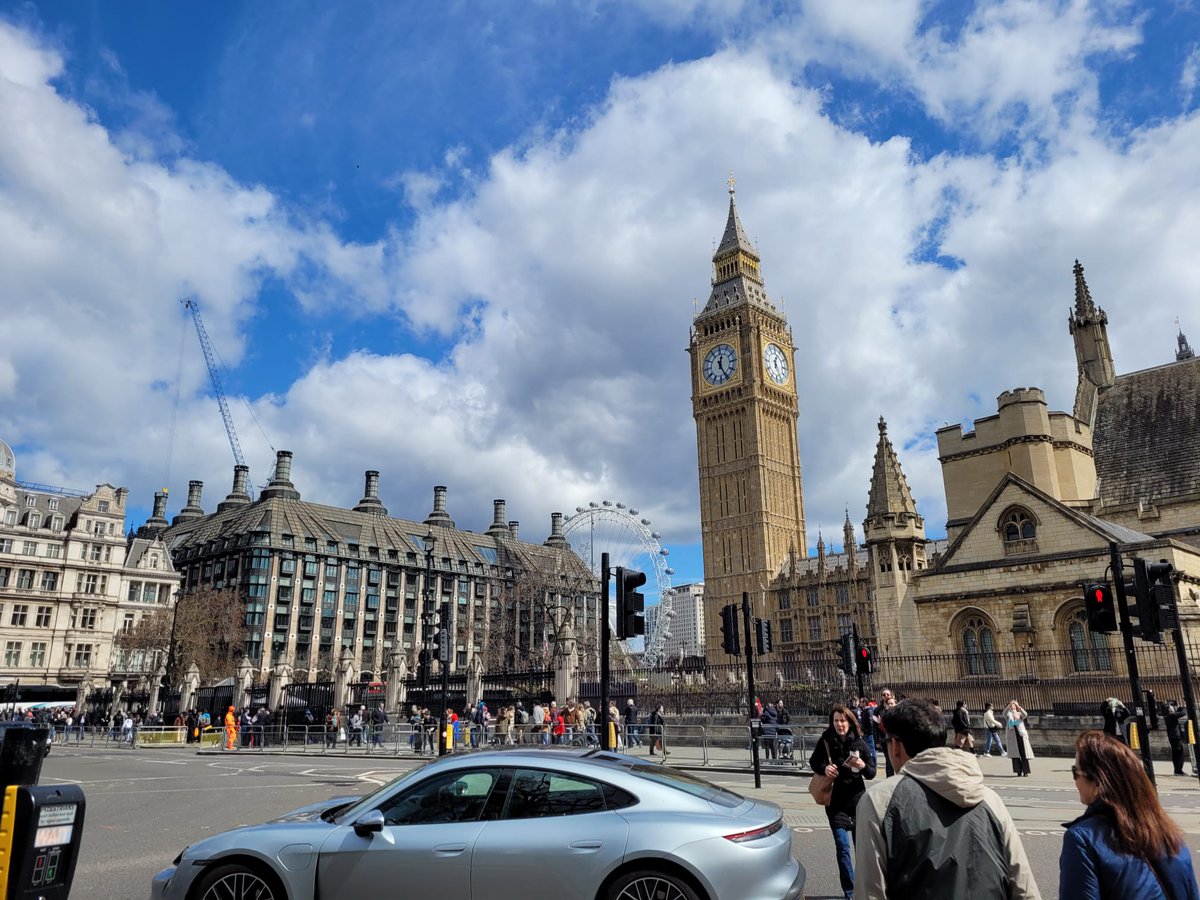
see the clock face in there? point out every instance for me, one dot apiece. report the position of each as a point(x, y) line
point(719, 364)
point(776, 363)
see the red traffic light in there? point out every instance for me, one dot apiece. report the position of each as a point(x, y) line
point(864, 652)
point(1099, 594)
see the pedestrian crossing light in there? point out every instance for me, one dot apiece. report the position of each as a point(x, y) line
point(849, 654)
point(631, 604)
point(762, 630)
point(866, 660)
point(1098, 604)
point(729, 629)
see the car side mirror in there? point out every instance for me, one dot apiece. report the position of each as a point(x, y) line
point(368, 822)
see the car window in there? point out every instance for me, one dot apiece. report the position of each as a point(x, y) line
point(458, 796)
point(536, 794)
point(689, 784)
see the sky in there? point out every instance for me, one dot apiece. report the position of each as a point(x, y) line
point(465, 248)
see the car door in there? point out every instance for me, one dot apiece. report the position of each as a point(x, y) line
point(557, 836)
point(424, 847)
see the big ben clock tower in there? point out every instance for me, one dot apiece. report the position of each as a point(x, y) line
point(745, 404)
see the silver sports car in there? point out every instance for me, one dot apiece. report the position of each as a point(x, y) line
point(518, 823)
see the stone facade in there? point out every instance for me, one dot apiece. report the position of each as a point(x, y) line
point(745, 403)
point(323, 584)
point(70, 580)
point(1034, 500)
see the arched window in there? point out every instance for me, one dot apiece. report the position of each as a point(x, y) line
point(1089, 650)
point(1019, 530)
point(978, 641)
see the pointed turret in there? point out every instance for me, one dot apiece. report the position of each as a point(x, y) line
point(890, 496)
point(849, 542)
point(821, 561)
point(736, 276)
point(1088, 325)
point(1184, 351)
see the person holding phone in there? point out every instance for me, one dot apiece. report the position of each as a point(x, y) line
point(843, 755)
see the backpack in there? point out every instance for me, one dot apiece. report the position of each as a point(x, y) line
point(522, 717)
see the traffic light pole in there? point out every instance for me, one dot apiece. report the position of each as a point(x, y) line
point(1185, 676)
point(754, 731)
point(1135, 682)
point(604, 642)
point(444, 654)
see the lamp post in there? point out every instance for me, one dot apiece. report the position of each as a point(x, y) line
point(424, 657)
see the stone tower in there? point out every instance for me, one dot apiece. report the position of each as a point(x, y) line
point(1088, 325)
point(745, 404)
point(895, 535)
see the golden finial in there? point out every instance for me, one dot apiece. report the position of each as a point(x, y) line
point(731, 182)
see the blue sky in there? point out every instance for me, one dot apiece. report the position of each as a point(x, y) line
point(463, 248)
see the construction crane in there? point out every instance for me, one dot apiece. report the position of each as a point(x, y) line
point(214, 373)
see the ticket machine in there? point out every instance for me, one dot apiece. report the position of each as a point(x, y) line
point(40, 826)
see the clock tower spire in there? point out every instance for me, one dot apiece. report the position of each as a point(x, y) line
point(746, 405)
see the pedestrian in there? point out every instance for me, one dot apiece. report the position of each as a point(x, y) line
point(1115, 713)
point(1017, 738)
point(310, 725)
point(356, 728)
point(1172, 715)
point(1124, 844)
point(262, 727)
point(631, 725)
point(865, 713)
point(936, 831)
point(333, 724)
point(768, 726)
point(521, 723)
point(963, 739)
point(231, 727)
point(992, 724)
point(615, 732)
point(658, 729)
point(535, 724)
point(478, 724)
point(379, 719)
point(842, 755)
point(886, 701)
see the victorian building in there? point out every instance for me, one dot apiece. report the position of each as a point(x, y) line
point(70, 580)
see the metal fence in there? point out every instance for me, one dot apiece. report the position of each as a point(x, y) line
point(1056, 682)
point(497, 689)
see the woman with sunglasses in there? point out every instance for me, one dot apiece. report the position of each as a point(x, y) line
point(1125, 844)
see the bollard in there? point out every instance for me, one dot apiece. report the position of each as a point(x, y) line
point(1135, 741)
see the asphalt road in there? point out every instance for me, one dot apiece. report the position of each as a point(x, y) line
point(144, 806)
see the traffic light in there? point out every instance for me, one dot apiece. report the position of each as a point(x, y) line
point(849, 654)
point(762, 629)
point(1098, 604)
point(866, 660)
point(631, 604)
point(423, 667)
point(729, 630)
point(1162, 592)
point(1149, 626)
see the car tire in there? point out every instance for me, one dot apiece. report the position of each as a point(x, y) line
point(650, 884)
point(236, 882)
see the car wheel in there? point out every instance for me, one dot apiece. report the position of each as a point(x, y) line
point(235, 882)
point(650, 885)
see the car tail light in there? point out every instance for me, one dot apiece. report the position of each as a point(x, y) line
point(757, 834)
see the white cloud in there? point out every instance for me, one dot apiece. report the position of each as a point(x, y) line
point(562, 281)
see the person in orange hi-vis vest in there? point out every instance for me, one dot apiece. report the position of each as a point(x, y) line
point(231, 729)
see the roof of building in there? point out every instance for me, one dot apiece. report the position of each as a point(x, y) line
point(1146, 435)
point(889, 494)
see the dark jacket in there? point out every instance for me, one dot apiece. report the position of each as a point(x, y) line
point(1172, 718)
point(770, 721)
point(961, 720)
point(1114, 716)
point(849, 785)
point(1093, 867)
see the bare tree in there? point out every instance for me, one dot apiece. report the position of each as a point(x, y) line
point(207, 627)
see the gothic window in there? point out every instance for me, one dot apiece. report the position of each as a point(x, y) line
point(1089, 651)
point(1019, 530)
point(904, 563)
point(978, 641)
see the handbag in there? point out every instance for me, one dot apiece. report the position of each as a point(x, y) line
point(821, 785)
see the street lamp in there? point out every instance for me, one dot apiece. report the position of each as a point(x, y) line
point(424, 657)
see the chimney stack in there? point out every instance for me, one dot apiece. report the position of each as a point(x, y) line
point(239, 495)
point(439, 516)
point(556, 539)
point(513, 529)
point(281, 484)
point(192, 510)
point(370, 502)
point(122, 493)
point(498, 512)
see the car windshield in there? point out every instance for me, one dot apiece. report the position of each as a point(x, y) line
point(374, 799)
point(689, 784)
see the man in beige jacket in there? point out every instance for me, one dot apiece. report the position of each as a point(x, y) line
point(935, 831)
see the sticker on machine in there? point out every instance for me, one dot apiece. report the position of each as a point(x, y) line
point(58, 814)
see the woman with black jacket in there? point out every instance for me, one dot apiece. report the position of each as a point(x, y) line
point(842, 754)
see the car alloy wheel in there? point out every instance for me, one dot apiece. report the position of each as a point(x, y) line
point(235, 883)
point(651, 886)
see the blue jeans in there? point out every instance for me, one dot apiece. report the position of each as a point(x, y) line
point(993, 737)
point(842, 840)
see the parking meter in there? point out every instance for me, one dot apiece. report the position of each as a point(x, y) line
point(40, 832)
point(40, 827)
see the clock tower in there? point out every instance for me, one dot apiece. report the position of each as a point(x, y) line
point(745, 404)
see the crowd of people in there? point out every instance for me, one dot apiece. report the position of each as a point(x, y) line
point(936, 830)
